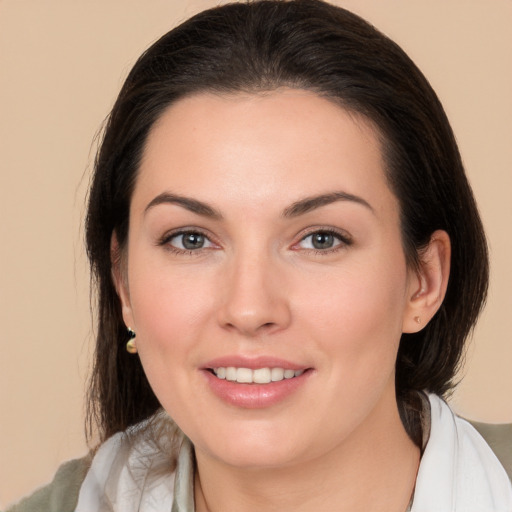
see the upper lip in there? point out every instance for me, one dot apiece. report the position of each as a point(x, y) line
point(253, 363)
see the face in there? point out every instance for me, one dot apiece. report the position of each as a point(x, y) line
point(265, 276)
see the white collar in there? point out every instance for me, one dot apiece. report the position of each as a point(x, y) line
point(136, 471)
point(133, 471)
point(458, 471)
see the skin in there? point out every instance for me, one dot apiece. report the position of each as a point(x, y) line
point(258, 287)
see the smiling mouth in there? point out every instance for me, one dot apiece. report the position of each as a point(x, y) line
point(257, 376)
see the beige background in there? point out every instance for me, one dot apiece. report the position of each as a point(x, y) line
point(61, 64)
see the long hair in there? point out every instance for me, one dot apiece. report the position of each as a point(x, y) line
point(311, 45)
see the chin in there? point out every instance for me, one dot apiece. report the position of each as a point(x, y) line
point(253, 447)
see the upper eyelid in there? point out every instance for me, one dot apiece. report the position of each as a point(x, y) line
point(340, 233)
point(332, 233)
point(343, 235)
point(169, 235)
point(182, 231)
point(344, 238)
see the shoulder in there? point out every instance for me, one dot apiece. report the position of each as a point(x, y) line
point(61, 494)
point(499, 438)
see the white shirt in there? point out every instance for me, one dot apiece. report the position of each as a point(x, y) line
point(134, 472)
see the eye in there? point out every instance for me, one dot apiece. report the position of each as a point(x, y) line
point(189, 241)
point(323, 240)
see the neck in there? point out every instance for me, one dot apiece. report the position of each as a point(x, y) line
point(372, 470)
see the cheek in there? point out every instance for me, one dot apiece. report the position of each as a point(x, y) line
point(165, 297)
point(358, 313)
point(363, 291)
point(168, 317)
point(173, 310)
point(355, 321)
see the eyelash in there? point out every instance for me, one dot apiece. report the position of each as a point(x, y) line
point(166, 239)
point(343, 238)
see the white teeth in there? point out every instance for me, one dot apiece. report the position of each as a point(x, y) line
point(277, 374)
point(231, 373)
point(261, 376)
point(244, 375)
point(258, 376)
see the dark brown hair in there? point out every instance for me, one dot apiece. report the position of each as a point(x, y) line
point(306, 44)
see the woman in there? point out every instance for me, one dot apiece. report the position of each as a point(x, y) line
point(289, 260)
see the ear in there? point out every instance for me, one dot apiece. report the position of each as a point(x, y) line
point(120, 279)
point(427, 285)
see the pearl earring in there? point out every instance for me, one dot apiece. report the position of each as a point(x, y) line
point(131, 348)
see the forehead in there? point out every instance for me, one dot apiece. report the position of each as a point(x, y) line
point(278, 145)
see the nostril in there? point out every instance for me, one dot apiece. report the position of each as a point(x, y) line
point(253, 313)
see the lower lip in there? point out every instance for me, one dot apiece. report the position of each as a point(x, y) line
point(254, 396)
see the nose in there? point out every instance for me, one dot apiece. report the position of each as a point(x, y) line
point(255, 299)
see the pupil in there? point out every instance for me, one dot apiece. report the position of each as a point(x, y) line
point(193, 241)
point(322, 241)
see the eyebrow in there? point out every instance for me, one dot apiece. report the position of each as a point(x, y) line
point(193, 205)
point(312, 203)
point(294, 210)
